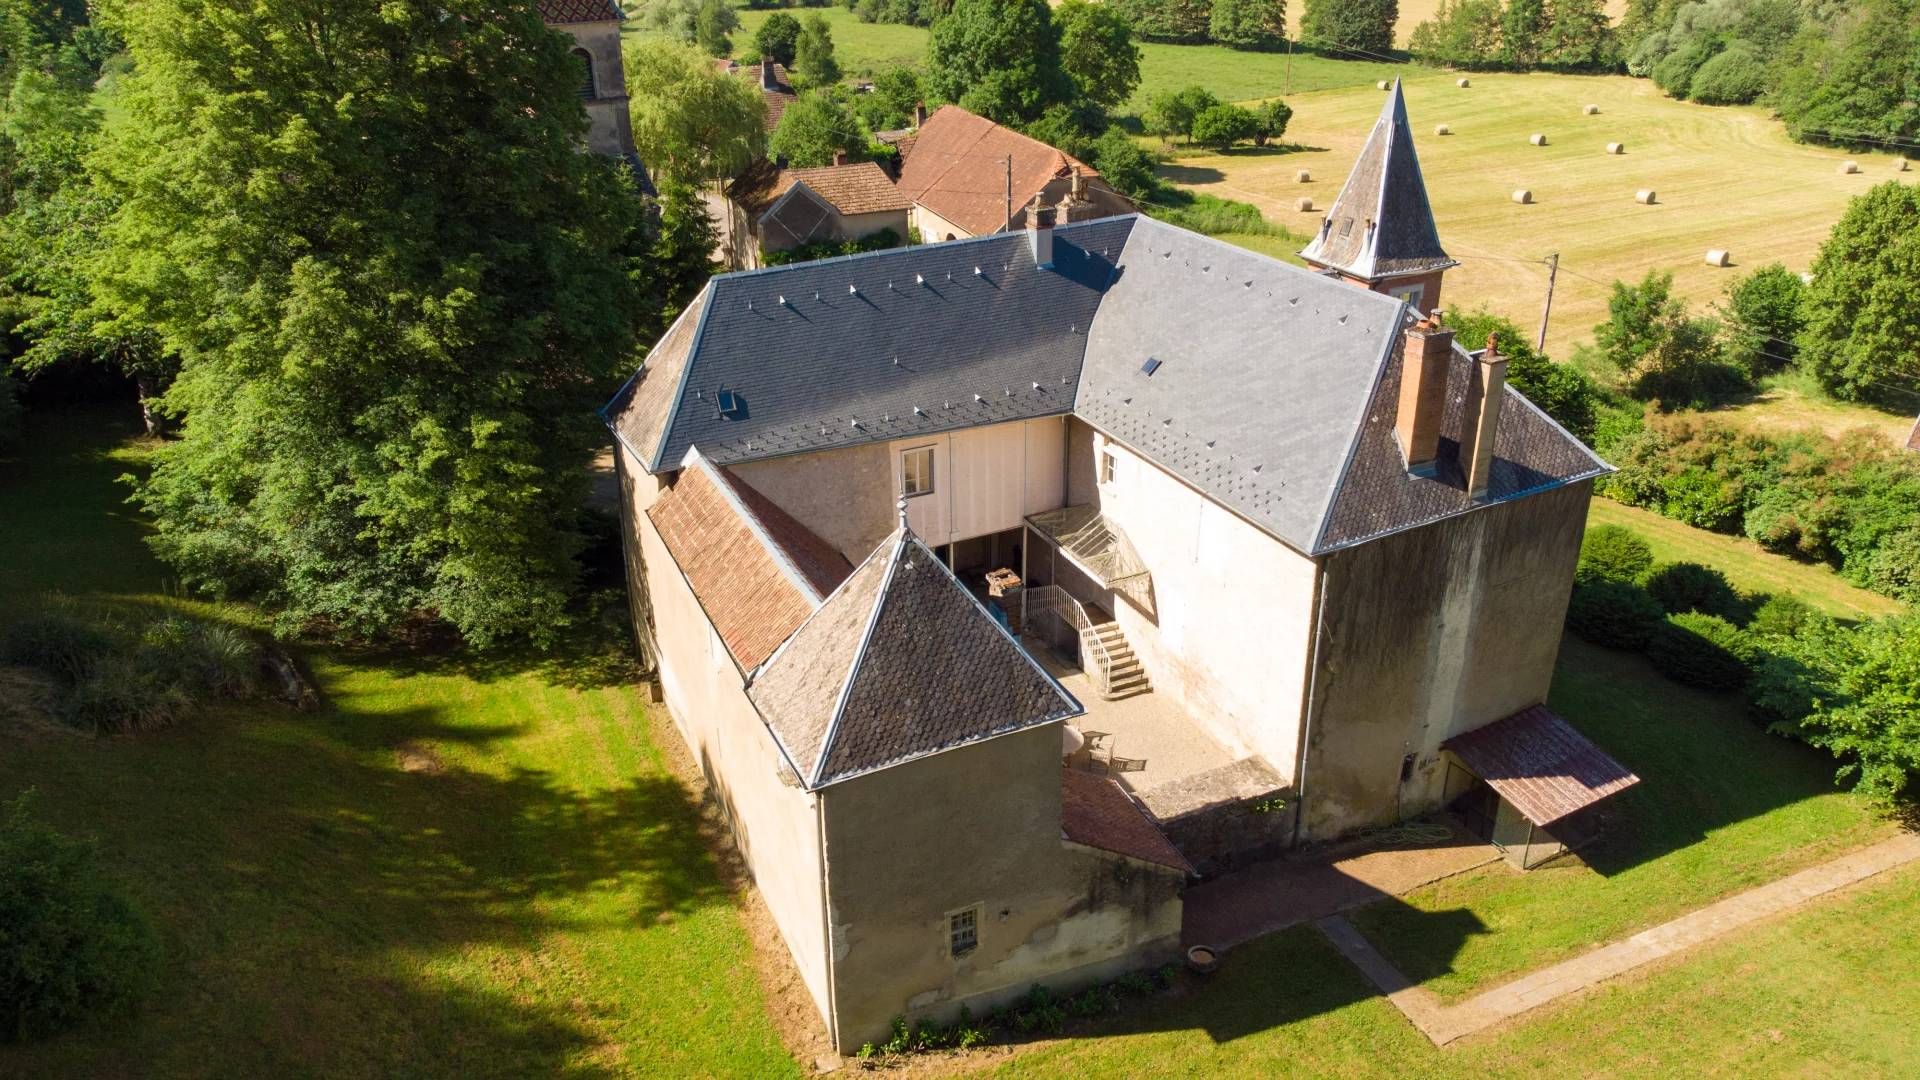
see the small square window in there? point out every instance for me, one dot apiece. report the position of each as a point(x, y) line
point(963, 932)
point(916, 472)
point(1106, 466)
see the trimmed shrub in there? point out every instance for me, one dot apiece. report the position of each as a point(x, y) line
point(1223, 125)
point(1734, 76)
point(1781, 617)
point(1616, 614)
point(72, 948)
point(1613, 553)
point(1701, 650)
point(1686, 586)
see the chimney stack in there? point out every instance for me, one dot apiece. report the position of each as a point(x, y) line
point(919, 114)
point(1481, 421)
point(839, 157)
point(1040, 234)
point(769, 75)
point(1423, 393)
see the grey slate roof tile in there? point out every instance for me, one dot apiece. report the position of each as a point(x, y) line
point(1384, 191)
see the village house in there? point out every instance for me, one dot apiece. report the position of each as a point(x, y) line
point(775, 87)
point(968, 176)
point(769, 209)
point(1001, 586)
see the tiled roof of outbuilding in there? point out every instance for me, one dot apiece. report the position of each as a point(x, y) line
point(956, 166)
point(1381, 224)
point(579, 11)
point(1094, 811)
point(900, 662)
point(1540, 764)
point(861, 187)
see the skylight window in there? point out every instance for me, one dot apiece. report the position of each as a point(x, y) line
point(1152, 365)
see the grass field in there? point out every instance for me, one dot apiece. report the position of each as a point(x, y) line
point(453, 868)
point(1747, 565)
point(1726, 177)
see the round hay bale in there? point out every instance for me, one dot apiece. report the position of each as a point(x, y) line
point(1591, 110)
point(1644, 197)
point(1848, 168)
point(1442, 129)
point(1899, 164)
point(1717, 257)
point(1384, 84)
point(1616, 148)
point(1303, 177)
point(1463, 83)
point(1303, 205)
point(1522, 196)
point(1537, 139)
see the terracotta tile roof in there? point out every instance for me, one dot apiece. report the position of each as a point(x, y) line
point(1094, 811)
point(819, 562)
point(777, 99)
point(861, 187)
point(1539, 763)
point(900, 662)
point(757, 579)
point(956, 167)
point(579, 11)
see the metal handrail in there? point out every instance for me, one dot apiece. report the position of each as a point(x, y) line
point(1070, 611)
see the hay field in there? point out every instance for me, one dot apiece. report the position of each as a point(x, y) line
point(1726, 178)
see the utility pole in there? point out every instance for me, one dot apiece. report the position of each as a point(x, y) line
point(1009, 191)
point(1288, 86)
point(1553, 271)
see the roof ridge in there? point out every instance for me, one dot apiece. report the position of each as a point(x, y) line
point(896, 542)
point(1325, 515)
point(725, 481)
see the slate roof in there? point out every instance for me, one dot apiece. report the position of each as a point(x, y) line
point(1539, 763)
point(756, 571)
point(1381, 224)
point(956, 167)
point(1270, 396)
point(899, 663)
point(579, 11)
point(1094, 811)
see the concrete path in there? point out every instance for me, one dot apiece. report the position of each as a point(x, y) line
point(1445, 1023)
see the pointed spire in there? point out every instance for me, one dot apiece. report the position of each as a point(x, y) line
point(1381, 224)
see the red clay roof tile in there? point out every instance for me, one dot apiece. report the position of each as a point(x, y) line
point(1094, 811)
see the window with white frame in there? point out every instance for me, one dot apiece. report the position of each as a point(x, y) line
point(963, 931)
point(1106, 466)
point(916, 472)
point(1412, 294)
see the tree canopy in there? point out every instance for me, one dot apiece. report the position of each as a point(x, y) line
point(1097, 49)
point(999, 58)
point(398, 289)
point(813, 128)
point(690, 121)
point(1249, 24)
point(813, 59)
point(1861, 320)
point(776, 37)
point(1361, 27)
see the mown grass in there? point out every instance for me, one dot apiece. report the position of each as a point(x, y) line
point(1825, 991)
point(1747, 565)
point(458, 866)
point(1721, 806)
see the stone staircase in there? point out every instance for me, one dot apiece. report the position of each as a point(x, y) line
point(1105, 649)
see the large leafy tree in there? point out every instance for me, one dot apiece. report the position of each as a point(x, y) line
point(776, 37)
point(691, 121)
point(1097, 49)
point(398, 287)
point(1662, 352)
point(1862, 324)
point(999, 58)
point(1358, 27)
point(1249, 24)
point(813, 58)
point(714, 22)
point(1853, 75)
point(814, 128)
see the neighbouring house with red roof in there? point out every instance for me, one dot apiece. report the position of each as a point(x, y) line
point(775, 87)
point(968, 176)
point(769, 209)
point(594, 26)
point(1003, 587)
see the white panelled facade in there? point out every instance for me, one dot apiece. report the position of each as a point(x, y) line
point(983, 480)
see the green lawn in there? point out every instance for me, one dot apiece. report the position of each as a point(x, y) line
point(1747, 565)
point(455, 867)
point(864, 48)
point(1824, 992)
point(1721, 806)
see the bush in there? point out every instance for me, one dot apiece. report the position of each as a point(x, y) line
point(1271, 120)
point(1612, 553)
point(1223, 125)
point(1688, 586)
point(1125, 164)
point(1734, 76)
point(1701, 650)
point(1781, 617)
point(119, 677)
point(1615, 614)
point(72, 948)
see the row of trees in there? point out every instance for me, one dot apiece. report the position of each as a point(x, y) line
point(380, 294)
point(1358, 27)
point(1478, 34)
point(1852, 690)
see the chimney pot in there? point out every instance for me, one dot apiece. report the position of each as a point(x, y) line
point(1040, 233)
point(919, 114)
point(769, 75)
point(1485, 392)
point(1423, 395)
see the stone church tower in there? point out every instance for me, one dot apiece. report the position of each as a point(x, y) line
point(1379, 233)
point(594, 26)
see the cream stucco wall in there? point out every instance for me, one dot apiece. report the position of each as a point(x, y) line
point(1230, 624)
point(775, 824)
point(979, 825)
point(845, 496)
point(934, 228)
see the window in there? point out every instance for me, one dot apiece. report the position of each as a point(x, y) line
point(1346, 226)
point(963, 932)
point(1412, 294)
point(916, 472)
point(587, 89)
point(1106, 466)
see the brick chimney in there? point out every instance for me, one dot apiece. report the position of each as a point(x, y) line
point(919, 114)
point(1040, 234)
point(769, 75)
point(1074, 205)
point(1481, 422)
point(839, 157)
point(1423, 394)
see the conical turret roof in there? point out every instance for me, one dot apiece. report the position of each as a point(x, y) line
point(1381, 225)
